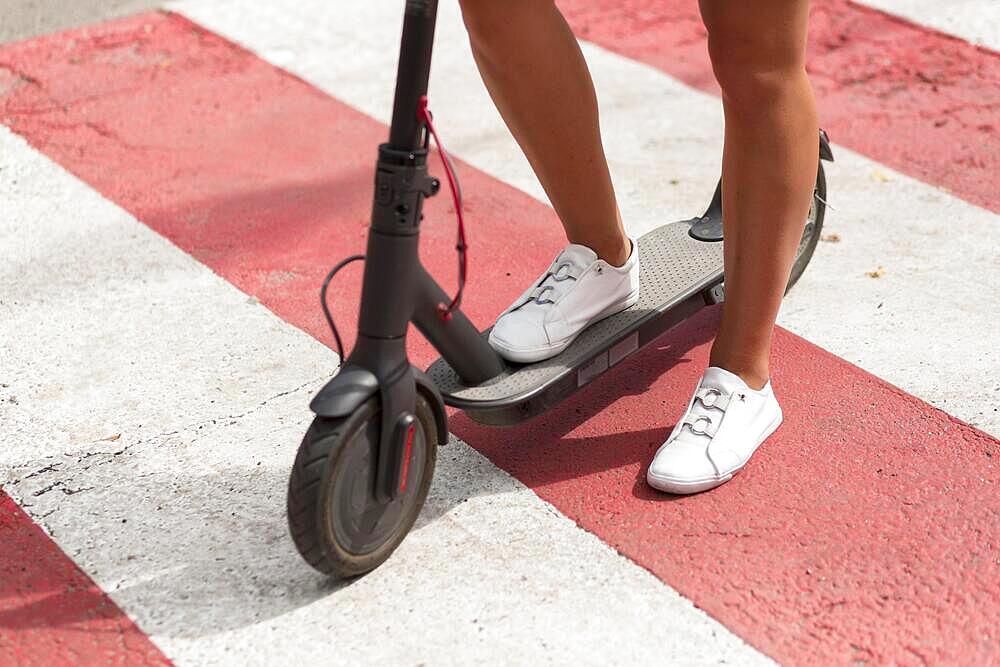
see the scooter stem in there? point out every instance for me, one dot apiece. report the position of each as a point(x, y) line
point(406, 132)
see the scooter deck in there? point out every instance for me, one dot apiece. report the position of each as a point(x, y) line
point(677, 272)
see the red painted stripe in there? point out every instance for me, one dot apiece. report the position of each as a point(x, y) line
point(865, 530)
point(51, 613)
point(915, 99)
point(253, 172)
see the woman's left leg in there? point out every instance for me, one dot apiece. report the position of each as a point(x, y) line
point(768, 171)
point(768, 168)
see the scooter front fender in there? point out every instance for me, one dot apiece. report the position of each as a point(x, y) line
point(345, 392)
point(354, 385)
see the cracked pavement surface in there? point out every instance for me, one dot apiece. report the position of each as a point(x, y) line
point(158, 463)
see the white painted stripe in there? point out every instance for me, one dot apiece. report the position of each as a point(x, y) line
point(976, 21)
point(924, 325)
point(157, 414)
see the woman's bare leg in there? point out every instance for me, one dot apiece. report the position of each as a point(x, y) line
point(535, 72)
point(768, 168)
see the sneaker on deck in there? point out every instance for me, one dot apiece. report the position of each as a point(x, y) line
point(577, 290)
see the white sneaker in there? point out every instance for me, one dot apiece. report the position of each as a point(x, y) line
point(577, 290)
point(725, 422)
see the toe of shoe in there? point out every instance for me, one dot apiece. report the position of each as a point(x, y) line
point(678, 469)
point(518, 338)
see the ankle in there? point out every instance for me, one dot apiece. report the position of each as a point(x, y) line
point(616, 252)
point(755, 375)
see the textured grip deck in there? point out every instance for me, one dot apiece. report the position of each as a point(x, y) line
point(673, 266)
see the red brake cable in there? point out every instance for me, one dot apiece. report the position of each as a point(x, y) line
point(425, 117)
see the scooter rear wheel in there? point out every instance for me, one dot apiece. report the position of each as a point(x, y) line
point(812, 231)
point(337, 524)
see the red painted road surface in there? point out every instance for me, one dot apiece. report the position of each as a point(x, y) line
point(867, 528)
point(51, 613)
point(924, 103)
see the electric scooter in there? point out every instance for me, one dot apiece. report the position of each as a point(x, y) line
point(365, 464)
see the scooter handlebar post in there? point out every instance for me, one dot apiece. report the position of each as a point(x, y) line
point(415, 48)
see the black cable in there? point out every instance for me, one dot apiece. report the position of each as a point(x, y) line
point(326, 309)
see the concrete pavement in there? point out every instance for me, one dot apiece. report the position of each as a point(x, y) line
point(146, 212)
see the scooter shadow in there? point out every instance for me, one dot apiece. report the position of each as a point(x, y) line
point(238, 567)
point(568, 443)
point(178, 578)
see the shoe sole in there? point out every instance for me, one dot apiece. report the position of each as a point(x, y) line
point(534, 355)
point(688, 487)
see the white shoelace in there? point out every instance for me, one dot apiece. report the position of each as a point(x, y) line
point(552, 287)
point(556, 277)
point(707, 410)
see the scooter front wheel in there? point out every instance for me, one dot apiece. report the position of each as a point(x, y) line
point(338, 525)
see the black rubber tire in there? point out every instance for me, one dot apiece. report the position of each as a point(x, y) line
point(811, 234)
point(325, 450)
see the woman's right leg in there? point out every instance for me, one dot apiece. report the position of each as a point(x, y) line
point(535, 72)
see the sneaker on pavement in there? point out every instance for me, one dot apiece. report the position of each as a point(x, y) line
point(724, 424)
point(577, 290)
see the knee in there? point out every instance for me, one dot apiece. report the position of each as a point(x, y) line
point(492, 24)
point(480, 16)
point(754, 69)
